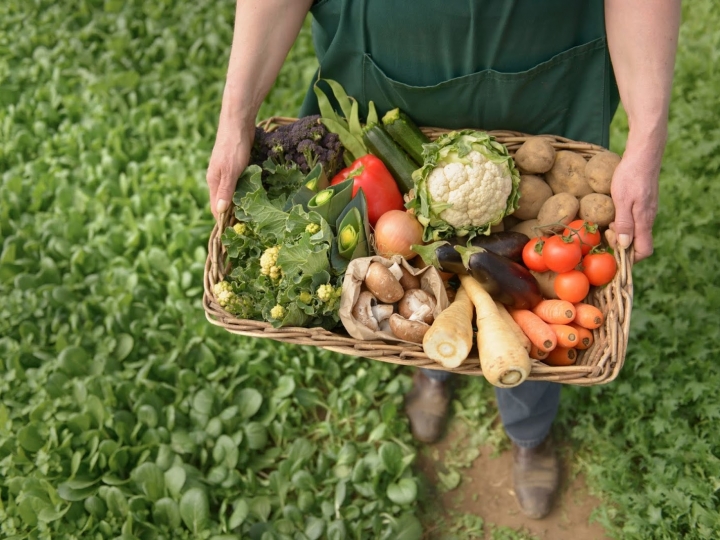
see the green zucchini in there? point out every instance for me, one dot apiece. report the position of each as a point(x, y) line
point(382, 145)
point(406, 133)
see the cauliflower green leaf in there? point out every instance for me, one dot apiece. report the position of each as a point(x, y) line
point(467, 184)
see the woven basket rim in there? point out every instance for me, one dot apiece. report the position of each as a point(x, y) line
point(600, 364)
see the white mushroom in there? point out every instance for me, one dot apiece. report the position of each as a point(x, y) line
point(413, 301)
point(382, 312)
point(397, 271)
point(423, 313)
point(363, 310)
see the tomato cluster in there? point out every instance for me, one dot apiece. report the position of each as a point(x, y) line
point(576, 256)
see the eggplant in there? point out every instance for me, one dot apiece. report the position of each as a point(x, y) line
point(504, 279)
point(508, 244)
point(444, 257)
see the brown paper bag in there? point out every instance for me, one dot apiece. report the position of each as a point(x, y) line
point(430, 282)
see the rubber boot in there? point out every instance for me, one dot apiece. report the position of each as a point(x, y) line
point(536, 478)
point(427, 406)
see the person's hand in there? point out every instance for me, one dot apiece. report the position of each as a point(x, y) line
point(229, 158)
point(635, 195)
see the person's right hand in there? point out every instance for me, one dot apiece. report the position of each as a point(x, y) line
point(229, 158)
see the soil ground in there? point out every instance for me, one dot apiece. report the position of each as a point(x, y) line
point(485, 490)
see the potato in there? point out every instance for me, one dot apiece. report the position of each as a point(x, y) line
point(568, 174)
point(597, 208)
point(558, 210)
point(535, 156)
point(510, 221)
point(546, 282)
point(533, 194)
point(599, 171)
point(526, 227)
point(498, 227)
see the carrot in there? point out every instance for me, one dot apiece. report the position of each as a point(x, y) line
point(502, 310)
point(537, 330)
point(566, 335)
point(503, 359)
point(450, 337)
point(555, 311)
point(585, 337)
point(537, 354)
point(588, 316)
point(561, 356)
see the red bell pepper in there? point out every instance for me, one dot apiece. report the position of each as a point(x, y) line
point(381, 190)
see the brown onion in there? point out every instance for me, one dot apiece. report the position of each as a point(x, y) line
point(395, 232)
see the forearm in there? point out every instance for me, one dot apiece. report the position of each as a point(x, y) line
point(642, 38)
point(263, 34)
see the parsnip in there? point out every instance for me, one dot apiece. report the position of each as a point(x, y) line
point(524, 340)
point(504, 361)
point(450, 337)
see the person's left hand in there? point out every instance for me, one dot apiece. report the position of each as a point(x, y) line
point(635, 195)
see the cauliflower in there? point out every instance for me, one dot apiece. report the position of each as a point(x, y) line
point(312, 228)
point(240, 228)
point(477, 191)
point(268, 263)
point(305, 297)
point(467, 184)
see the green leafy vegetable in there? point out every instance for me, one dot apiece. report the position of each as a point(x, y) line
point(281, 259)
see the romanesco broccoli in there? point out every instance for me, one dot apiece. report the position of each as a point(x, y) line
point(227, 298)
point(268, 263)
point(278, 312)
point(327, 293)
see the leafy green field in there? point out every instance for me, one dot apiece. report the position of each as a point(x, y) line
point(123, 413)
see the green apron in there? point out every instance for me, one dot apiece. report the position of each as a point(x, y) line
point(525, 65)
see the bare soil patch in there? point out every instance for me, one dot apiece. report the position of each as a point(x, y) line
point(485, 490)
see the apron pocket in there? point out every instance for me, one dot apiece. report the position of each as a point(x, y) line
point(566, 96)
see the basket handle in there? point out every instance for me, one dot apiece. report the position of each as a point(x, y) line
point(224, 219)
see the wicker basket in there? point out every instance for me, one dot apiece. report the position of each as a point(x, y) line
point(599, 364)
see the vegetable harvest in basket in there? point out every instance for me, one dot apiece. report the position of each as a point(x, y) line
point(523, 236)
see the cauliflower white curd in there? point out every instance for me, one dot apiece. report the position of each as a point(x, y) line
point(477, 190)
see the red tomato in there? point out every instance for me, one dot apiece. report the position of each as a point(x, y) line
point(599, 268)
point(381, 190)
point(585, 233)
point(561, 254)
point(532, 254)
point(572, 286)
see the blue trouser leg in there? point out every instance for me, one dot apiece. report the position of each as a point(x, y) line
point(527, 411)
point(436, 374)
